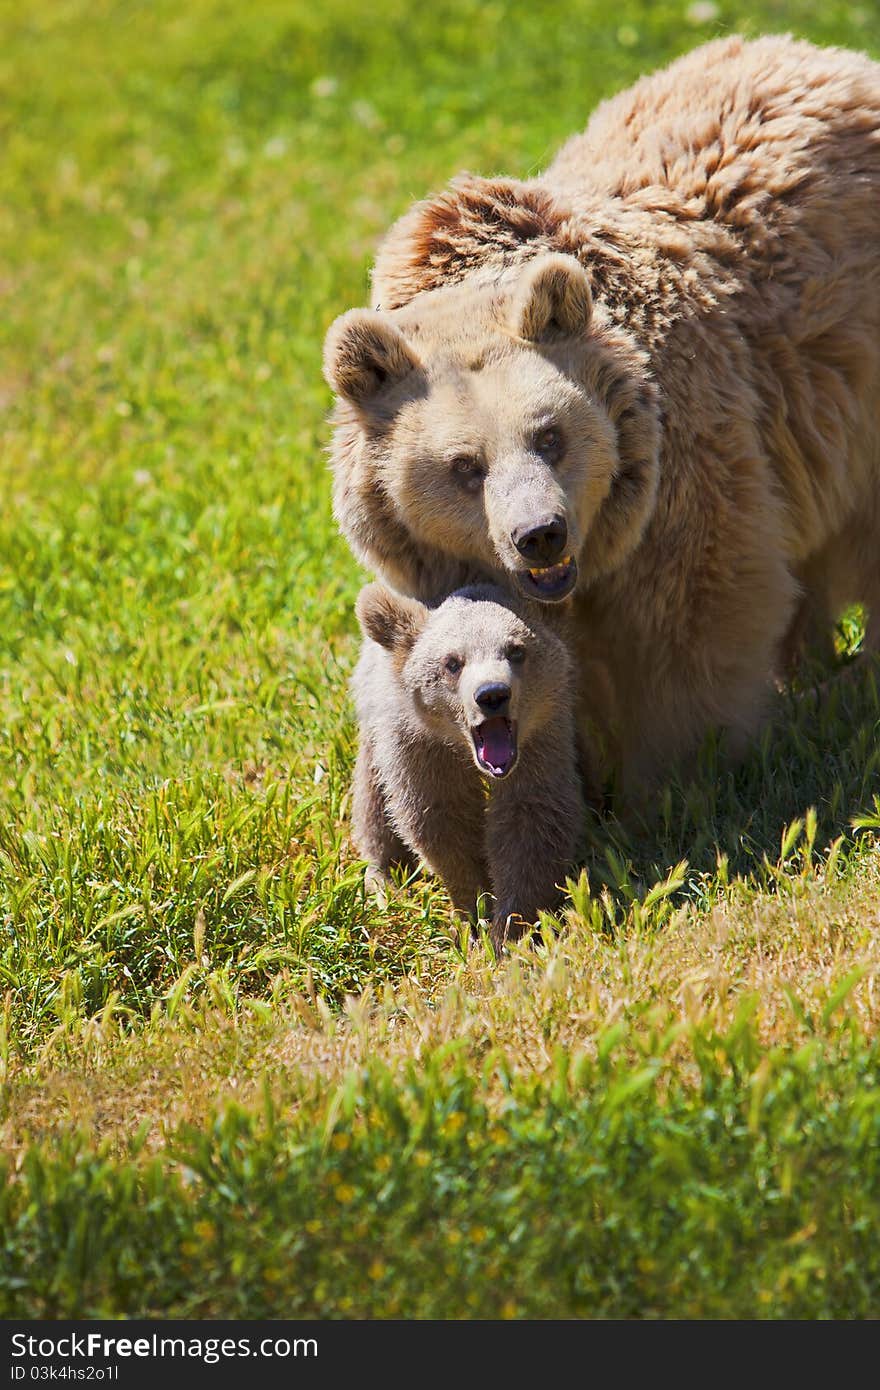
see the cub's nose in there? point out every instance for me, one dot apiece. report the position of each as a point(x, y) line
point(544, 544)
point(493, 697)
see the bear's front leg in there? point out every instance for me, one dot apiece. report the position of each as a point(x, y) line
point(535, 820)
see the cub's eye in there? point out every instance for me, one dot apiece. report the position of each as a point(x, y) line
point(516, 654)
point(453, 665)
point(549, 444)
point(468, 472)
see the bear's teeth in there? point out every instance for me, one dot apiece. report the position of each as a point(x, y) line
point(551, 572)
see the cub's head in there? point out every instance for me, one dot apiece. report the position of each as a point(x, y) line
point(497, 428)
point(475, 669)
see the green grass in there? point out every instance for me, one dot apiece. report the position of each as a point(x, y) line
point(585, 1195)
point(197, 1002)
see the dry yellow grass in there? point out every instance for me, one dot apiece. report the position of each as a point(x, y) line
point(787, 951)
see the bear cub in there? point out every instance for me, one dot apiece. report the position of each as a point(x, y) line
point(467, 760)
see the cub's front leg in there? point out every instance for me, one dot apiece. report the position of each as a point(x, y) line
point(535, 820)
point(374, 836)
point(438, 806)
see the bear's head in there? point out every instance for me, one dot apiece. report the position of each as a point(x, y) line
point(496, 429)
point(476, 670)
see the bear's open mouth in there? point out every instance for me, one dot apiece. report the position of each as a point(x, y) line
point(552, 583)
point(495, 745)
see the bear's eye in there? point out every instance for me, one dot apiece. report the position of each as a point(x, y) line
point(468, 472)
point(453, 665)
point(549, 444)
point(515, 654)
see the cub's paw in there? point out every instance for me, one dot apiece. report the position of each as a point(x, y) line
point(507, 927)
point(376, 884)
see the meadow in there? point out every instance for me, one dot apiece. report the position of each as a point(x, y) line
point(230, 1084)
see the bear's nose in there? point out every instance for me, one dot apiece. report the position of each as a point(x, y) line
point(544, 544)
point(492, 698)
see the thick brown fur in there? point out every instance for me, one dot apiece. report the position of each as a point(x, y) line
point(712, 356)
point(419, 793)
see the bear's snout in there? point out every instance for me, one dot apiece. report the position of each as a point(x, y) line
point(544, 544)
point(493, 697)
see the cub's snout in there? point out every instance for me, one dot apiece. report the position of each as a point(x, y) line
point(494, 735)
point(493, 698)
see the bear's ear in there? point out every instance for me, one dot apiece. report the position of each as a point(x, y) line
point(389, 619)
point(552, 299)
point(363, 352)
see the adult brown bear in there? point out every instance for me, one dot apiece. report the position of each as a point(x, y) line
point(647, 381)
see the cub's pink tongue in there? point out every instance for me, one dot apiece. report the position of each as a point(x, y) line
point(495, 744)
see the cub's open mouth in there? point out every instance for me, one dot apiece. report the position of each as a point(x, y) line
point(495, 745)
point(551, 584)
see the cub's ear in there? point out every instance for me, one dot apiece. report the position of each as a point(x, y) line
point(552, 299)
point(363, 352)
point(387, 618)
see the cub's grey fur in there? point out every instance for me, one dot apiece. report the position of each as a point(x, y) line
point(487, 797)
